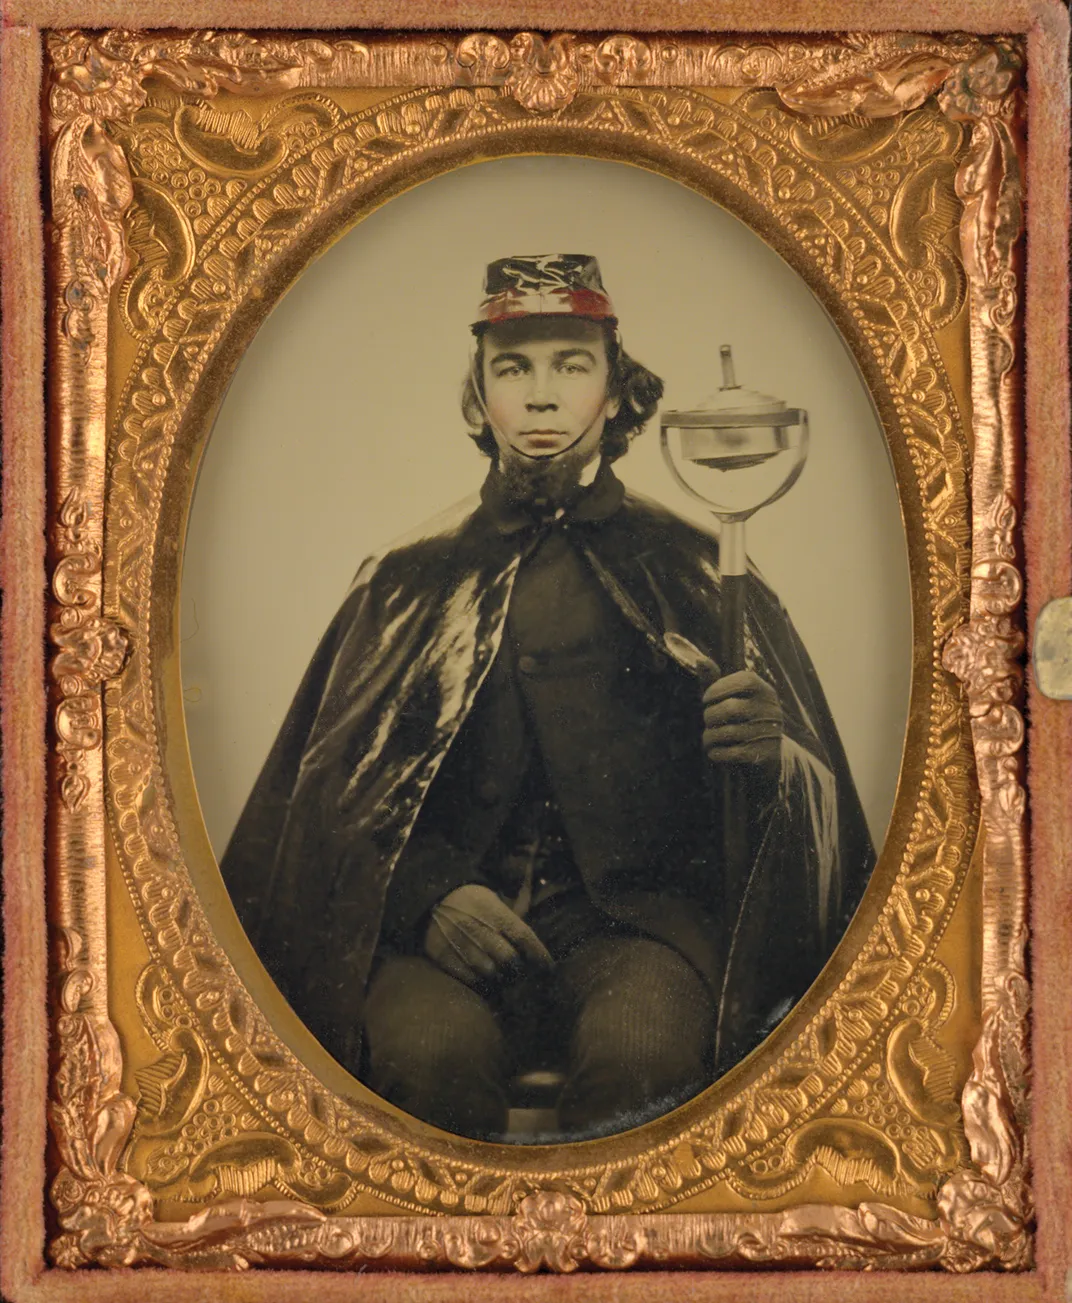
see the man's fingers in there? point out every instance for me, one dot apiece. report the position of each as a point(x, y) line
point(749, 756)
point(468, 950)
point(754, 753)
point(727, 735)
point(741, 710)
point(491, 940)
point(732, 735)
point(472, 935)
point(456, 954)
point(531, 946)
point(527, 942)
point(743, 683)
point(502, 953)
point(456, 967)
point(742, 713)
point(501, 934)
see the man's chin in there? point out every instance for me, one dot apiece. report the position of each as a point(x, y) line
point(545, 479)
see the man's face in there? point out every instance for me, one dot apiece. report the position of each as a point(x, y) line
point(545, 387)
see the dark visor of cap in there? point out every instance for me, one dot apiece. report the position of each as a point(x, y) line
point(561, 284)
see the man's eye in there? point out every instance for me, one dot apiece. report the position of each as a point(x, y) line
point(507, 371)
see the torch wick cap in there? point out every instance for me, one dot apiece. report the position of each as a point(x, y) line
point(729, 377)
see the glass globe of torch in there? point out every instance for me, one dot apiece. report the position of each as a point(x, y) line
point(737, 452)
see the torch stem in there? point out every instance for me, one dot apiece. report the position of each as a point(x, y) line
point(732, 553)
point(733, 565)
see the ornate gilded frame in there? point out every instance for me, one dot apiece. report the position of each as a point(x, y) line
point(861, 1086)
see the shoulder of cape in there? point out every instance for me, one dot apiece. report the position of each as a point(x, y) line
point(648, 519)
point(434, 541)
point(650, 523)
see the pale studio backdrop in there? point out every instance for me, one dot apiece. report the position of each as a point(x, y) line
point(341, 430)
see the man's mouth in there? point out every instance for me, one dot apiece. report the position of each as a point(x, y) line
point(544, 442)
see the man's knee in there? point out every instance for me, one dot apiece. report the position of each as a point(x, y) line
point(433, 1046)
point(646, 1059)
point(642, 1038)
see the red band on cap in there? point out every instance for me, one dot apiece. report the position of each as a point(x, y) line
point(556, 302)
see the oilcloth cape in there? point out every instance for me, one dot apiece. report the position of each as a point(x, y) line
point(388, 689)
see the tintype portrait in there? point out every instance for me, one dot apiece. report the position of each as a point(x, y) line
point(459, 822)
point(523, 838)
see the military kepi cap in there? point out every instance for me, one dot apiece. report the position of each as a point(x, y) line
point(543, 284)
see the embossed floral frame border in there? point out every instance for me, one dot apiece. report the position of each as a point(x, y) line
point(985, 1210)
point(237, 1100)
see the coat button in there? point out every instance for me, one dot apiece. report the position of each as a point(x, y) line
point(488, 792)
point(528, 664)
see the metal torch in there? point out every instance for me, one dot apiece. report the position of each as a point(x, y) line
point(764, 444)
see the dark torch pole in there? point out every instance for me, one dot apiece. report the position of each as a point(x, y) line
point(733, 567)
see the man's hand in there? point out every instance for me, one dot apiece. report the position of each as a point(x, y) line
point(743, 721)
point(476, 938)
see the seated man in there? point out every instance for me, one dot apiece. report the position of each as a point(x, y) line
point(491, 826)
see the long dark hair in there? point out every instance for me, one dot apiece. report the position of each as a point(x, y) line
point(637, 390)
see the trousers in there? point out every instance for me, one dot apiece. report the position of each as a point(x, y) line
point(628, 1020)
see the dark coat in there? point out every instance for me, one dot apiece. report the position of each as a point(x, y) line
point(583, 730)
point(417, 650)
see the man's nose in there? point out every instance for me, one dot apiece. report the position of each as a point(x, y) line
point(541, 392)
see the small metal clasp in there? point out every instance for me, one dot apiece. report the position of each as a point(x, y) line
point(1051, 655)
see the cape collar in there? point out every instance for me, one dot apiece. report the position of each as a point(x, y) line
point(597, 501)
